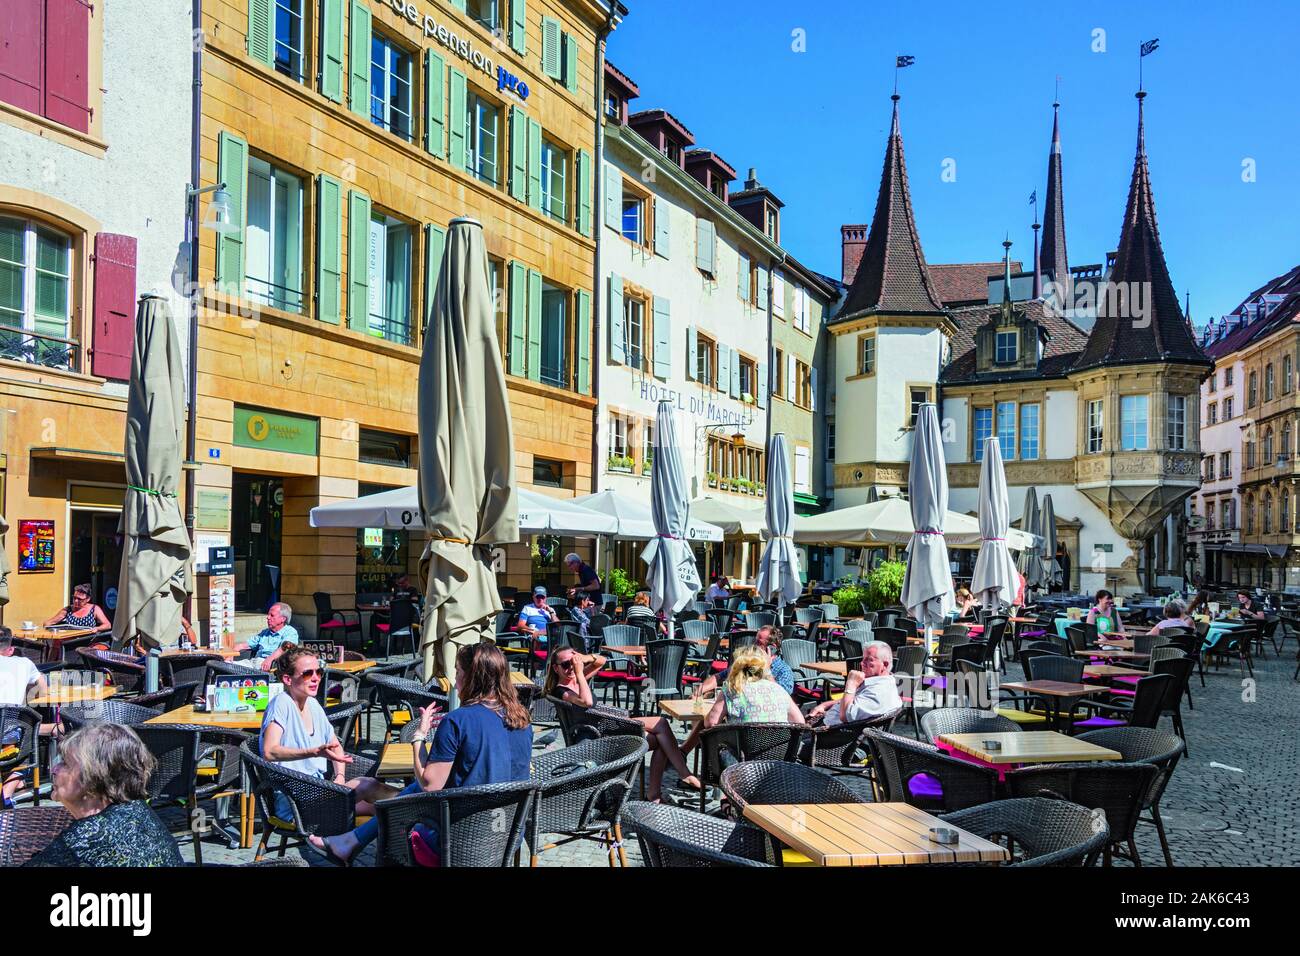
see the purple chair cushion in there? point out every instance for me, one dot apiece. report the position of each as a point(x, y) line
point(1093, 723)
point(925, 786)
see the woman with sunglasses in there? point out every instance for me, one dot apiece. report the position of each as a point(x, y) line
point(82, 612)
point(568, 679)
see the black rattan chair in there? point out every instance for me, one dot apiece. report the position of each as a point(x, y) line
point(779, 781)
point(106, 712)
point(476, 826)
point(728, 743)
point(909, 771)
point(399, 698)
point(331, 620)
point(185, 668)
point(580, 791)
point(964, 720)
point(1159, 748)
point(579, 723)
point(20, 744)
point(125, 672)
point(1047, 832)
point(672, 836)
point(26, 831)
point(839, 749)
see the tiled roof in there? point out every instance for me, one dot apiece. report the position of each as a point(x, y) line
point(1122, 334)
point(892, 276)
point(1064, 345)
point(1053, 258)
point(966, 282)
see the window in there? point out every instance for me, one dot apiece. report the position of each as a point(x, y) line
point(555, 336)
point(1177, 422)
point(273, 237)
point(36, 294)
point(1267, 448)
point(982, 429)
point(778, 293)
point(1227, 408)
point(486, 13)
point(1212, 413)
point(482, 134)
point(736, 468)
point(288, 38)
point(1227, 378)
point(45, 61)
point(1006, 420)
point(1208, 468)
point(778, 376)
point(1250, 516)
point(830, 438)
point(748, 378)
point(772, 221)
point(1252, 390)
point(621, 431)
point(1266, 512)
point(381, 553)
point(555, 174)
point(613, 105)
point(1225, 512)
point(384, 448)
point(1284, 515)
point(634, 332)
point(745, 282)
point(1029, 432)
point(548, 473)
point(390, 87)
point(1007, 348)
point(1250, 453)
point(802, 320)
point(1213, 384)
point(1096, 426)
point(672, 149)
point(802, 384)
point(1268, 382)
point(1133, 423)
point(802, 469)
point(1286, 375)
point(705, 360)
point(1286, 441)
point(390, 279)
point(1209, 516)
point(867, 355)
point(1225, 464)
point(634, 207)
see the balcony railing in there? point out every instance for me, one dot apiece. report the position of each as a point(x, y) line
point(48, 351)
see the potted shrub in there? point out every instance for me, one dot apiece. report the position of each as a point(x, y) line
point(712, 477)
point(623, 584)
point(647, 462)
point(620, 463)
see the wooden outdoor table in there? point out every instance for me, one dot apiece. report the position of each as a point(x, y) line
point(685, 709)
point(1023, 620)
point(1053, 692)
point(627, 650)
point(835, 668)
point(53, 638)
point(226, 652)
point(1115, 644)
point(868, 834)
point(1110, 670)
point(396, 760)
point(1035, 746)
point(351, 667)
point(74, 694)
point(1106, 654)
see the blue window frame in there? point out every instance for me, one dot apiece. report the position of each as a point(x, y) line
point(983, 430)
point(1007, 429)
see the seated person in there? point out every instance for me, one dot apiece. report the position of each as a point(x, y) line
point(1249, 609)
point(297, 733)
point(640, 610)
point(82, 612)
point(1105, 616)
point(403, 588)
point(102, 780)
point(583, 611)
point(719, 589)
point(568, 677)
point(965, 602)
point(1175, 616)
point(19, 682)
point(870, 692)
point(768, 638)
point(487, 739)
point(269, 643)
point(534, 617)
point(750, 695)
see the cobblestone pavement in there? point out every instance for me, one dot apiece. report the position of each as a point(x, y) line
point(1231, 802)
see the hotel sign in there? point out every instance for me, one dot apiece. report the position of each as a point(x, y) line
point(460, 46)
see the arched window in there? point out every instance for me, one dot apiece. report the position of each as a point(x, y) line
point(1250, 516)
point(1284, 518)
point(1267, 513)
point(1268, 382)
point(1286, 375)
point(1267, 450)
point(1286, 441)
point(37, 266)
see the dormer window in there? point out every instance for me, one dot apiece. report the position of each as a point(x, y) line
point(672, 150)
point(1007, 350)
point(613, 106)
point(773, 221)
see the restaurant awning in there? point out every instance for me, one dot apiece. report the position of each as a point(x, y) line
point(889, 521)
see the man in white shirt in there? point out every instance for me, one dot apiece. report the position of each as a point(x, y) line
point(18, 677)
point(870, 692)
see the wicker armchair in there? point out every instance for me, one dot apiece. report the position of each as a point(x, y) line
point(184, 668)
point(580, 791)
point(839, 749)
point(964, 720)
point(671, 836)
point(468, 821)
point(106, 712)
point(26, 831)
point(24, 724)
point(1142, 745)
point(729, 743)
point(578, 723)
point(778, 781)
point(169, 698)
point(1047, 832)
point(320, 807)
point(368, 692)
point(124, 671)
point(1117, 788)
point(920, 774)
point(398, 699)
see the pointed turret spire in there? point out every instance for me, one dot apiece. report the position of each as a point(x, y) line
point(1139, 320)
point(1054, 217)
point(892, 276)
point(1006, 271)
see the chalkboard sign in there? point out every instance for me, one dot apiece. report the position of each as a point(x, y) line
point(327, 651)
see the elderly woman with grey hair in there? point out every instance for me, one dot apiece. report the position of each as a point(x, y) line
point(869, 692)
point(102, 780)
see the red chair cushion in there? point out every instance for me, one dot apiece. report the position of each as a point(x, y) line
point(620, 675)
point(335, 624)
point(384, 628)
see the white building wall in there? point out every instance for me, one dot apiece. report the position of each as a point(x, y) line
point(1059, 431)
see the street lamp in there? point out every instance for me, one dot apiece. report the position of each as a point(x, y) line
point(218, 215)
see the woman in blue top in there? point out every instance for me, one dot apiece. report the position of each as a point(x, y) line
point(487, 739)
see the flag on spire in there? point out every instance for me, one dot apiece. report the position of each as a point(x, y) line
point(903, 61)
point(1150, 46)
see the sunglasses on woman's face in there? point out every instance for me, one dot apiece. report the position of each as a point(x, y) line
point(567, 665)
point(309, 674)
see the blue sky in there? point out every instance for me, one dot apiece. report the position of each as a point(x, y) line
point(1223, 90)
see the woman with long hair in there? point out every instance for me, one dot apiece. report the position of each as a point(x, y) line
point(567, 678)
point(487, 739)
point(749, 694)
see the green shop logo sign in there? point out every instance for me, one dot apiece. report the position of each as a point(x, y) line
point(254, 428)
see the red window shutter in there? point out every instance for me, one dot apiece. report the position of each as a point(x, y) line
point(21, 47)
point(114, 335)
point(67, 60)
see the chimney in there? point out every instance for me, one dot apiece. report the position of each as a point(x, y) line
point(853, 240)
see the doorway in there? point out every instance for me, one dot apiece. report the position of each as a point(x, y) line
point(257, 509)
point(96, 556)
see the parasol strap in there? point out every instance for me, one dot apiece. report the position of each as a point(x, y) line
point(993, 539)
point(929, 532)
point(151, 491)
point(449, 540)
point(670, 537)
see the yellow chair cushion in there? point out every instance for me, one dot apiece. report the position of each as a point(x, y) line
point(837, 696)
point(1021, 716)
point(207, 773)
point(9, 752)
point(281, 824)
point(401, 718)
point(791, 857)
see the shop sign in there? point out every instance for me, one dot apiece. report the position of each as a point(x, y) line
point(697, 406)
point(275, 431)
point(213, 510)
point(35, 545)
point(460, 46)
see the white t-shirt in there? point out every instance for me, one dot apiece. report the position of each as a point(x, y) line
point(16, 675)
point(717, 591)
point(876, 696)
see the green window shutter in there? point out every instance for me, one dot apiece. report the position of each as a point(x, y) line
point(459, 5)
point(551, 54)
point(570, 46)
point(456, 120)
point(583, 345)
point(584, 192)
point(232, 163)
point(734, 363)
point(692, 351)
point(663, 357)
point(705, 241)
point(662, 222)
point(329, 249)
point(613, 198)
point(518, 154)
point(763, 279)
point(517, 317)
point(534, 163)
point(435, 107)
point(331, 49)
point(614, 319)
point(519, 26)
point(534, 325)
point(435, 242)
point(762, 385)
point(261, 31)
point(724, 368)
point(358, 261)
point(742, 276)
point(359, 60)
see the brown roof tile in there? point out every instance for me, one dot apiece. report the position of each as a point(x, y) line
point(1065, 341)
point(961, 283)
